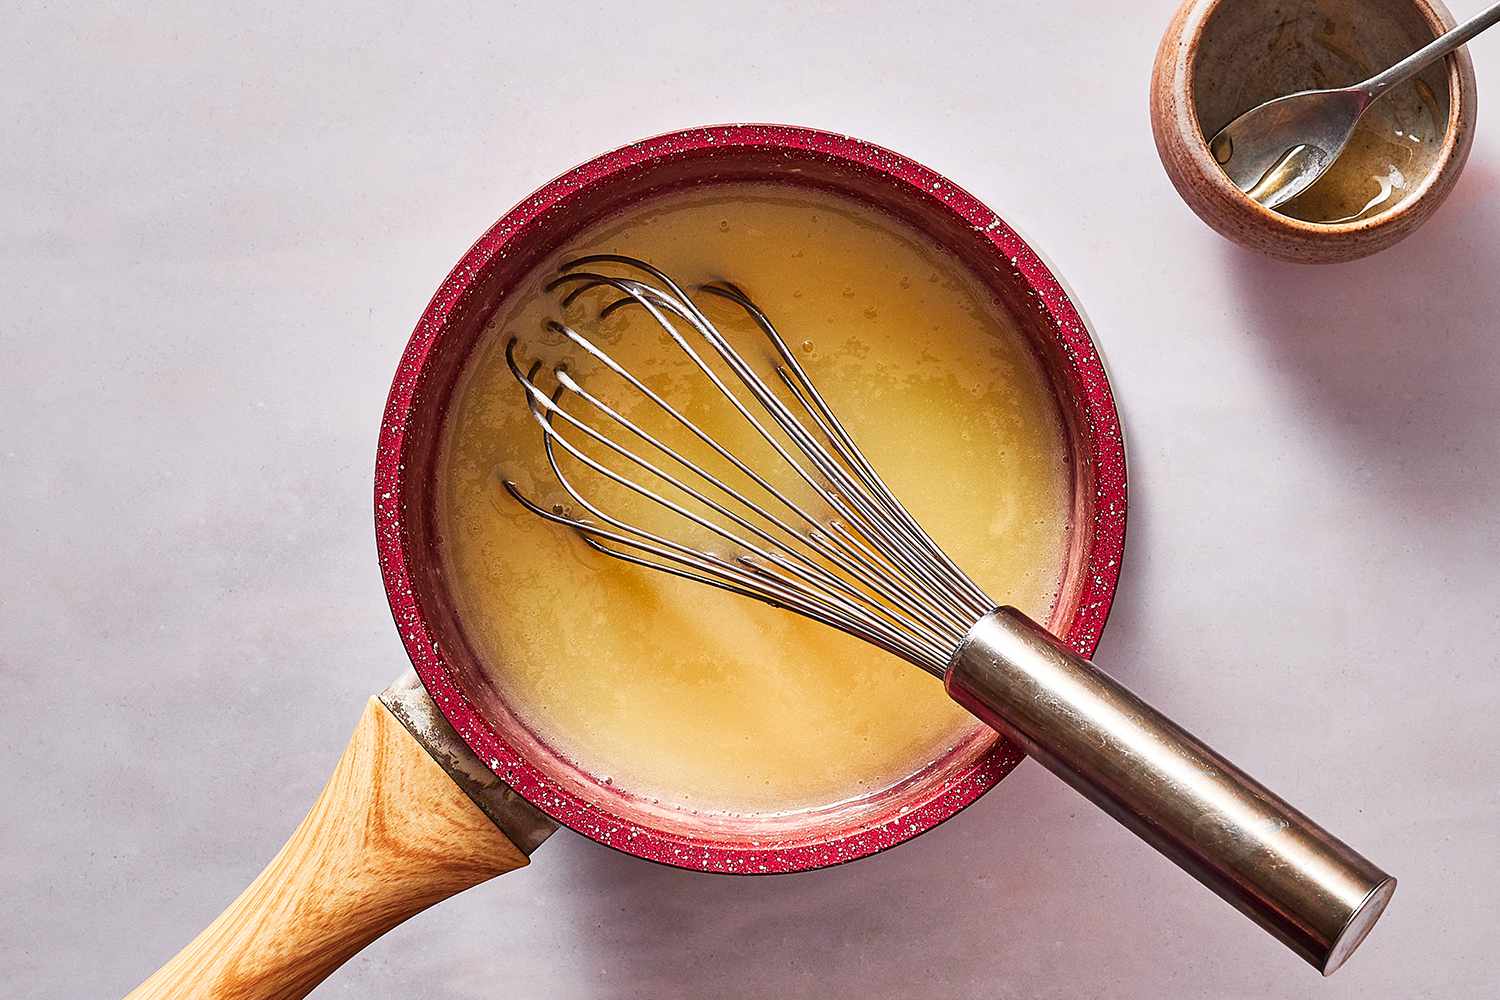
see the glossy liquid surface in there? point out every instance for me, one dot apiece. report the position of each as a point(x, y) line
point(1393, 148)
point(702, 700)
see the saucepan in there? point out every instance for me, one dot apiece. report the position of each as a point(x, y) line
point(441, 787)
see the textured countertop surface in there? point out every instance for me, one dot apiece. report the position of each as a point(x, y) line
point(218, 225)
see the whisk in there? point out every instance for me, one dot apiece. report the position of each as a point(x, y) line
point(822, 535)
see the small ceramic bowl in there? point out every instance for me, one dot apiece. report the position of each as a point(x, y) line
point(1220, 58)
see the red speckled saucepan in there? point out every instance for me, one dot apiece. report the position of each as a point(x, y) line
point(392, 833)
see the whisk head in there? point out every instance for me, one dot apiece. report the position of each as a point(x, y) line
point(814, 530)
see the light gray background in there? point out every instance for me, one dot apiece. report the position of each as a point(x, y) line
point(219, 224)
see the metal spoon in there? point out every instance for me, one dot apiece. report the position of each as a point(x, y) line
point(1276, 150)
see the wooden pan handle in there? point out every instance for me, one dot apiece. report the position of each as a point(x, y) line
point(390, 835)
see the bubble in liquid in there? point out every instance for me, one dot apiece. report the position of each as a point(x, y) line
point(807, 347)
point(723, 225)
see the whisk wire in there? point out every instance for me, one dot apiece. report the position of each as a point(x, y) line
point(844, 444)
point(869, 569)
point(876, 499)
point(868, 574)
point(652, 300)
point(719, 574)
point(804, 566)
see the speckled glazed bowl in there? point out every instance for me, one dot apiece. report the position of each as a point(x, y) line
point(1220, 58)
point(544, 222)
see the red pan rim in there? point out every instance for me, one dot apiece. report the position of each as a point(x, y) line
point(1102, 435)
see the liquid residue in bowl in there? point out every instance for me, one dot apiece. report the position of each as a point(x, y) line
point(700, 700)
point(1395, 145)
point(1249, 54)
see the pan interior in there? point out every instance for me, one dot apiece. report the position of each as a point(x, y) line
point(693, 708)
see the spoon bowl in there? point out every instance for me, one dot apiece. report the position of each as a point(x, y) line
point(1276, 151)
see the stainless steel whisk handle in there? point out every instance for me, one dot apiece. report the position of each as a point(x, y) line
point(1299, 882)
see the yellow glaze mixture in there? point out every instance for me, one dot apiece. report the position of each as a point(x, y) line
point(703, 700)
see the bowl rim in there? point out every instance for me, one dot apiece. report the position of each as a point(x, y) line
point(1102, 435)
point(1451, 157)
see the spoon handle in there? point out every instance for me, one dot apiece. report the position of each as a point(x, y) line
point(1436, 49)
